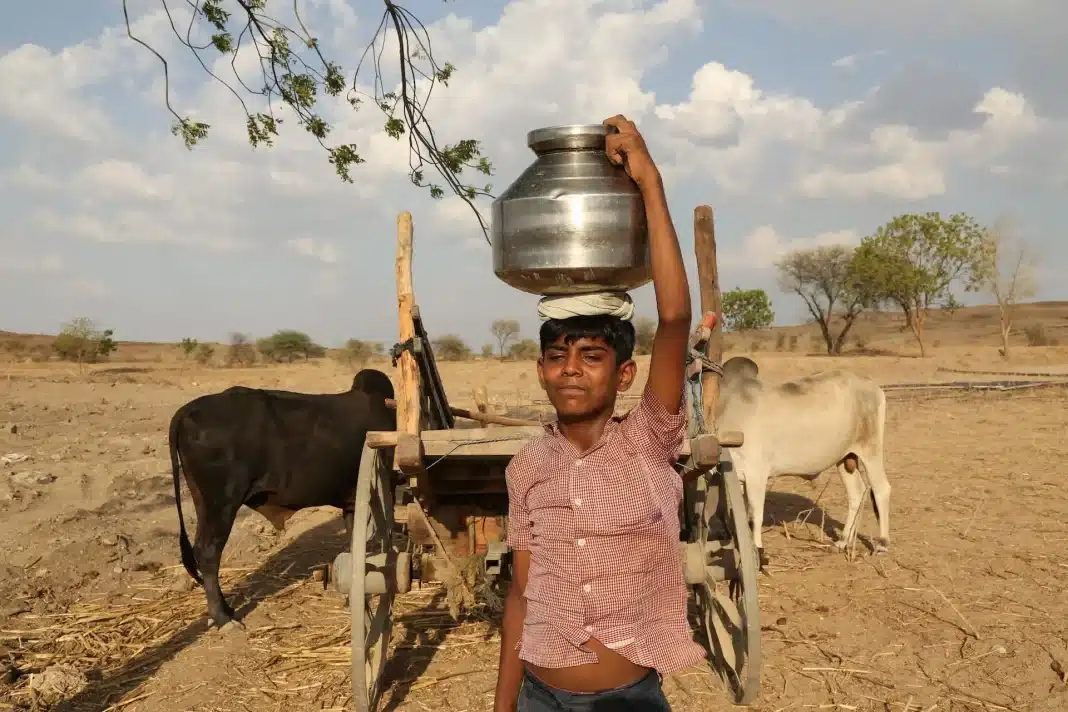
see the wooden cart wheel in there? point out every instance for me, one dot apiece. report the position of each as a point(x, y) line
point(373, 589)
point(731, 618)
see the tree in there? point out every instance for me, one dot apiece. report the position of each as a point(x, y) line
point(1008, 271)
point(504, 330)
point(746, 309)
point(295, 73)
point(106, 344)
point(644, 333)
point(286, 345)
point(81, 341)
point(451, 348)
point(525, 350)
point(241, 351)
point(914, 260)
point(825, 278)
point(487, 350)
point(188, 347)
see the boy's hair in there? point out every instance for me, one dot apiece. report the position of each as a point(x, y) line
point(616, 332)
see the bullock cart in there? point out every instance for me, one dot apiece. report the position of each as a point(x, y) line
point(432, 505)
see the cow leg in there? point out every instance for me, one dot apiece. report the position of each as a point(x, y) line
point(847, 470)
point(212, 534)
point(348, 515)
point(756, 486)
point(880, 499)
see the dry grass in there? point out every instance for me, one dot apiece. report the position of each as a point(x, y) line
point(968, 611)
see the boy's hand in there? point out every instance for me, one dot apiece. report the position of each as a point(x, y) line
point(627, 148)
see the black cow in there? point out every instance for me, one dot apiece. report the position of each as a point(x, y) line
point(274, 451)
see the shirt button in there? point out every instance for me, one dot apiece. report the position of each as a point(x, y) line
point(589, 629)
point(586, 588)
point(580, 463)
point(581, 542)
point(578, 502)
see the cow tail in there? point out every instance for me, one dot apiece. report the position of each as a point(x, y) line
point(189, 559)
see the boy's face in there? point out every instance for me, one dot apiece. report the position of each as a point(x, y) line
point(582, 378)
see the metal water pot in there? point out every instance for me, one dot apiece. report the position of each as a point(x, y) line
point(572, 222)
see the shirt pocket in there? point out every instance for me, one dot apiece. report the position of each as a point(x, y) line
point(622, 501)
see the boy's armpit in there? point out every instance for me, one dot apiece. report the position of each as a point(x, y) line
point(651, 425)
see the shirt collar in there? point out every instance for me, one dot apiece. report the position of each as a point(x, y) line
point(561, 443)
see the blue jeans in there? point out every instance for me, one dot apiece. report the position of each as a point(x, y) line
point(645, 695)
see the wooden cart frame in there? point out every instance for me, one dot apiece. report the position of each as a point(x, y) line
point(432, 499)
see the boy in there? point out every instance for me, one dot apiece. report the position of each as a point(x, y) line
point(596, 612)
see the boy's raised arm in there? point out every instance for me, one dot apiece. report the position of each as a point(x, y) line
point(667, 366)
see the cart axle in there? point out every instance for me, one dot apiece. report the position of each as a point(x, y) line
point(338, 576)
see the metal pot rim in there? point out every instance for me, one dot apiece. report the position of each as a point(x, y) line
point(567, 137)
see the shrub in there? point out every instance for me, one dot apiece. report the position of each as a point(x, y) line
point(81, 341)
point(525, 350)
point(241, 352)
point(1037, 335)
point(287, 345)
point(357, 352)
point(188, 347)
point(204, 353)
point(451, 348)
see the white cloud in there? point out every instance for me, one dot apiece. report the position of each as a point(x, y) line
point(849, 62)
point(314, 249)
point(124, 179)
point(903, 166)
point(33, 91)
point(729, 128)
point(764, 246)
point(87, 168)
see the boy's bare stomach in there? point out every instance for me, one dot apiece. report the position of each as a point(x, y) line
point(610, 671)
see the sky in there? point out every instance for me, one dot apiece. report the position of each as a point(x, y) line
point(801, 124)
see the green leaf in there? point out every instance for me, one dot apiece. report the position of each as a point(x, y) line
point(224, 42)
point(191, 131)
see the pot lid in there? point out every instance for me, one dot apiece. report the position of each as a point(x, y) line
point(572, 137)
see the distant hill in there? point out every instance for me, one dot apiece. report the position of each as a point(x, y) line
point(965, 326)
point(883, 331)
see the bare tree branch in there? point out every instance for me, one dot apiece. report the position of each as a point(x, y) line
point(295, 71)
point(1009, 274)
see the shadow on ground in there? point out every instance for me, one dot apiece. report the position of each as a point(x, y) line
point(293, 563)
point(416, 650)
point(788, 507)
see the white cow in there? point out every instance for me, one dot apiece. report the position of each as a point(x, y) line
point(801, 428)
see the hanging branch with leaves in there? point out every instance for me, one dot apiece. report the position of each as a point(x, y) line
point(294, 72)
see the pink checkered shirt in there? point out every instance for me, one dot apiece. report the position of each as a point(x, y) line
point(602, 528)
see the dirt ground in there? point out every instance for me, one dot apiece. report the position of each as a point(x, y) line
point(969, 611)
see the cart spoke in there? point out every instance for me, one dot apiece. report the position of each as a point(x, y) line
point(372, 615)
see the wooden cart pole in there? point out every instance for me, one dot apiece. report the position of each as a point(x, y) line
point(704, 245)
point(408, 405)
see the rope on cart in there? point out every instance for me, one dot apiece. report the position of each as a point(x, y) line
point(461, 443)
point(696, 391)
point(397, 349)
